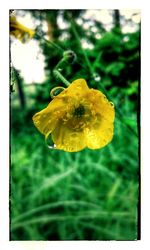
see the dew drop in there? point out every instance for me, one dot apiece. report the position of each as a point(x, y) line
point(49, 142)
point(96, 77)
point(56, 91)
point(111, 103)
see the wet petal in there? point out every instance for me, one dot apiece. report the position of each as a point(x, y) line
point(99, 135)
point(77, 88)
point(101, 105)
point(68, 139)
point(47, 119)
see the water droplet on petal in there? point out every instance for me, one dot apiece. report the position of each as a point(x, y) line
point(56, 91)
point(49, 142)
point(111, 103)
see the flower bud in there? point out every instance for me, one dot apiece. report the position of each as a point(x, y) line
point(70, 56)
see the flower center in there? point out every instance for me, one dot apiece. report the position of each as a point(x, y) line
point(79, 111)
point(78, 117)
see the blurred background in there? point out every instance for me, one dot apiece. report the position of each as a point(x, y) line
point(91, 194)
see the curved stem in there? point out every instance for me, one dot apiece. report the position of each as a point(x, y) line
point(58, 75)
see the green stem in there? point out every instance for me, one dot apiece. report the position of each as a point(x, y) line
point(58, 75)
point(67, 56)
point(37, 35)
point(60, 64)
point(83, 51)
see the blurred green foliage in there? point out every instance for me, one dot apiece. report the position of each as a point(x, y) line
point(92, 194)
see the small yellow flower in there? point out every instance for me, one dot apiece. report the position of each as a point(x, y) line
point(76, 118)
point(19, 31)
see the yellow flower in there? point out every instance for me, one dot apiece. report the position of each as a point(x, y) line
point(76, 118)
point(19, 31)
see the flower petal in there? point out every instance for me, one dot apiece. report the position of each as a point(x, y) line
point(47, 119)
point(19, 31)
point(77, 88)
point(99, 134)
point(101, 105)
point(68, 139)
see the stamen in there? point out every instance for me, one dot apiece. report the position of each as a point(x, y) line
point(79, 111)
